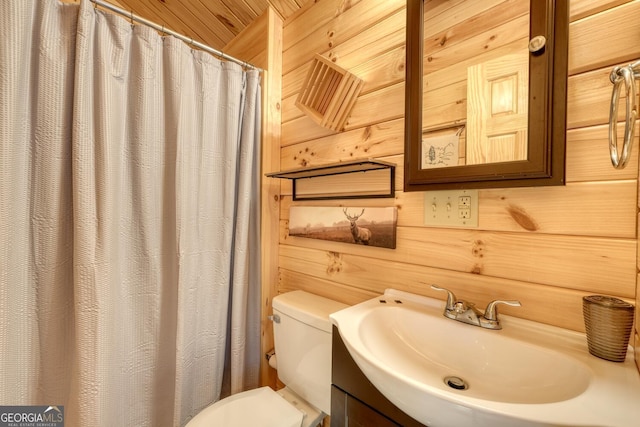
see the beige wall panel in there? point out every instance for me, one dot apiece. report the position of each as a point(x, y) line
point(481, 17)
point(289, 109)
point(375, 107)
point(582, 209)
point(593, 264)
point(379, 66)
point(493, 39)
point(367, 46)
point(380, 70)
point(599, 209)
point(292, 280)
point(378, 63)
point(588, 156)
point(447, 104)
point(302, 129)
point(450, 113)
point(254, 51)
point(438, 96)
point(583, 8)
point(286, 187)
point(382, 36)
point(589, 98)
point(550, 306)
point(587, 150)
point(458, 72)
point(605, 39)
point(377, 140)
point(345, 25)
point(589, 264)
point(292, 81)
point(311, 19)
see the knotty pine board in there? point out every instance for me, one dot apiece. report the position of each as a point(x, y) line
point(345, 25)
point(546, 304)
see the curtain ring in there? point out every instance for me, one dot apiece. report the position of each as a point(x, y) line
point(618, 76)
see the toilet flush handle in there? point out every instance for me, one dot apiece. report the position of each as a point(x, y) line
point(274, 317)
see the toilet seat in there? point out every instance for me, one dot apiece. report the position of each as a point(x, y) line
point(258, 407)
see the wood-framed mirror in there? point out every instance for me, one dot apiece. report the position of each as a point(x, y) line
point(485, 95)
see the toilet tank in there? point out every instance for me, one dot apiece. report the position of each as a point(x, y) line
point(303, 345)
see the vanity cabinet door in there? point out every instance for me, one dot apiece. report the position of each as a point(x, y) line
point(346, 411)
point(354, 399)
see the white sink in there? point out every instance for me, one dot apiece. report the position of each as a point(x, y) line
point(527, 374)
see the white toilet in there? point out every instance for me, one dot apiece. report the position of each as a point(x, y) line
point(302, 333)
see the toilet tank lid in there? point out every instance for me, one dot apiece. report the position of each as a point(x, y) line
point(308, 308)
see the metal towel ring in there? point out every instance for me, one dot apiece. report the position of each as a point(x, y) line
point(626, 75)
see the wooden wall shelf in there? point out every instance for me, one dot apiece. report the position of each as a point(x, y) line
point(360, 179)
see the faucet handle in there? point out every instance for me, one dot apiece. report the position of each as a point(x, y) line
point(451, 297)
point(491, 312)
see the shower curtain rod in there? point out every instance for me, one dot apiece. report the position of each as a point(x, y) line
point(162, 29)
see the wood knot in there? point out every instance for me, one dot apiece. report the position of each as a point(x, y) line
point(334, 264)
point(522, 218)
point(366, 134)
point(477, 249)
point(477, 269)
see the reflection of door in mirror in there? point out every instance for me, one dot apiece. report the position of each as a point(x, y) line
point(475, 81)
point(497, 93)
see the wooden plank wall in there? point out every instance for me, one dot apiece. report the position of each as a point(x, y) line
point(547, 247)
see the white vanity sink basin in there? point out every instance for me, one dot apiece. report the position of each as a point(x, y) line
point(446, 373)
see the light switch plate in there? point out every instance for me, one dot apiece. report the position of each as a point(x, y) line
point(451, 208)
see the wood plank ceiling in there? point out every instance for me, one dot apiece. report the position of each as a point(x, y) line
point(212, 22)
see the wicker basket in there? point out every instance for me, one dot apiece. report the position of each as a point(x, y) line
point(608, 322)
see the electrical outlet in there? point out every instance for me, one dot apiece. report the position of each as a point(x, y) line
point(451, 208)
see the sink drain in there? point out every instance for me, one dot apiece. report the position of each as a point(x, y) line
point(456, 383)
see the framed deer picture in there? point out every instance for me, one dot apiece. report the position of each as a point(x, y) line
point(356, 225)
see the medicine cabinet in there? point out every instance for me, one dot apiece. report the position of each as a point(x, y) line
point(486, 94)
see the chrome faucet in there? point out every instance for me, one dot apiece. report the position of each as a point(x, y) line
point(466, 312)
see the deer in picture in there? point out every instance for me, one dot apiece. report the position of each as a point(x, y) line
point(360, 234)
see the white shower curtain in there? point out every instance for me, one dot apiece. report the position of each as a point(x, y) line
point(128, 219)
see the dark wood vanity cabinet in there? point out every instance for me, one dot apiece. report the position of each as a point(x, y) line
point(355, 402)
